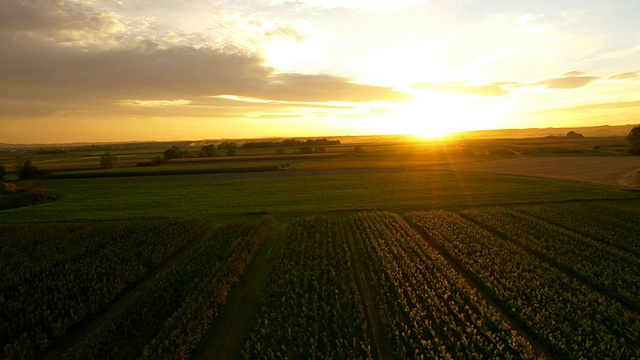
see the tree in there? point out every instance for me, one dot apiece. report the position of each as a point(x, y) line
point(231, 151)
point(574, 135)
point(18, 164)
point(3, 171)
point(227, 145)
point(29, 171)
point(208, 151)
point(157, 160)
point(108, 161)
point(634, 140)
point(173, 153)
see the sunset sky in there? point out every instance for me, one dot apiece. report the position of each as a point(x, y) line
point(109, 70)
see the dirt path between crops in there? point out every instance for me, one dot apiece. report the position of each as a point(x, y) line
point(227, 333)
point(381, 344)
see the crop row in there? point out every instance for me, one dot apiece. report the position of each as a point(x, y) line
point(431, 310)
point(612, 229)
point(56, 275)
point(571, 319)
point(617, 273)
point(311, 305)
point(166, 316)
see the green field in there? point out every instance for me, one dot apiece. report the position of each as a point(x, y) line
point(158, 197)
point(391, 261)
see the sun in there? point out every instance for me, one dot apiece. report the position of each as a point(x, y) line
point(434, 116)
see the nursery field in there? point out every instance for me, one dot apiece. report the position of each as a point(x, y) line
point(547, 280)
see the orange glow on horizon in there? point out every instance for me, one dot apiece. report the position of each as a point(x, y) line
point(434, 116)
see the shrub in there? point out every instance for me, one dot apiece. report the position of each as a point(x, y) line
point(33, 196)
point(108, 161)
point(173, 153)
point(29, 171)
point(18, 164)
point(208, 151)
point(634, 140)
point(157, 160)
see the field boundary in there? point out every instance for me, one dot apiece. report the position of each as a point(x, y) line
point(486, 293)
point(227, 332)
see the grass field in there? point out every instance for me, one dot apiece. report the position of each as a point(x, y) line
point(353, 256)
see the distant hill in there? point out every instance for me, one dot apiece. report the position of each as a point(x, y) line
point(591, 131)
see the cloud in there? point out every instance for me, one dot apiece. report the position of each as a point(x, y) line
point(365, 5)
point(306, 104)
point(63, 21)
point(625, 76)
point(40, 78)
point(315, 88)
point(286, 32)
point(570, 80)
point(607, 106)
point(122, 72)
point(494, 89)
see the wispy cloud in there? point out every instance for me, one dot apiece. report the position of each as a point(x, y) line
point(155, 103)
point(570, 80)
point(604, 106)
point(566, 81)
point(625, 76)
point(366, 5)
point(494, 89)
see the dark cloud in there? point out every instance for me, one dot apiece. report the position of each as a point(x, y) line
point(494, 89)
point(39, 75)
point(143, 71)
point(39, 67)
point(317, 88)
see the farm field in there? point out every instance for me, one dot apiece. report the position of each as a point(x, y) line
point(360, 284)
point(293, 192)
point(618, 171)
point(445, 253)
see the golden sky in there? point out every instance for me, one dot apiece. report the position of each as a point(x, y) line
point(108, 70)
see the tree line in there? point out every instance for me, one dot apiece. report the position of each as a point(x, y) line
point(290, 143)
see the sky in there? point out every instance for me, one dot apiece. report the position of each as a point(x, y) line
point(132, 70)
